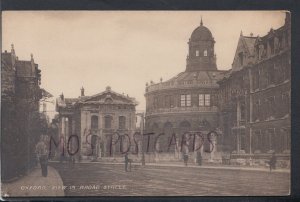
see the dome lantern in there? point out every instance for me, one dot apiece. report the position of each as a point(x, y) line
point(201, 50)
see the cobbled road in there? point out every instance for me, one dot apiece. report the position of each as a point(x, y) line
point(96, 179)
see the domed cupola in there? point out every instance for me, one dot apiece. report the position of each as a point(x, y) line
point(201, 50)
point(201, 33)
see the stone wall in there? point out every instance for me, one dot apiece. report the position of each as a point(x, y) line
point(21, 122)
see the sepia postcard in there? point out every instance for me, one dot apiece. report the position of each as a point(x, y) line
point(145, 103)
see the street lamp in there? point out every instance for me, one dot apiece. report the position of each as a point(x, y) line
point(142, 133)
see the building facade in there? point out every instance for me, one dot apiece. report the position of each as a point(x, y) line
point(21, 121)
point(255, 98)
point(101, 125)
point(186, 102)
point(47, 105)
point(250, 103)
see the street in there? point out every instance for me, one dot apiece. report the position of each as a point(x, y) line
point(112, 180)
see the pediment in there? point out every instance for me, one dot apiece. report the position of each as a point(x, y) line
point(109, 97)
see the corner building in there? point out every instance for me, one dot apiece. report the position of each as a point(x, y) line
point(186, 102)
point(248, 105)
point(255, 114)
point(21, 120)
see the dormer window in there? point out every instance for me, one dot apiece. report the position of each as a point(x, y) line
point(205, 53)
point(197, 53)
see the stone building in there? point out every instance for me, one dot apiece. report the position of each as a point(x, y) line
point(103, 124)
point(186, 102)
point(250, 103)
point(47, 105)
point(20, 122)
point(254, 99)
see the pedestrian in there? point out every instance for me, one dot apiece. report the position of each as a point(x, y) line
point(185, 158)
point(127, 160)
point(72, 161)
point(199, 158)
point(272, 162)
point(42, 155)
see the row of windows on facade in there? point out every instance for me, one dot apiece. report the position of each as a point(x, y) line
point(272, 73)
point(185, 100)
point(269, 108)
point(262, 77)
point(197, 53)
point(203, 100)
point(108, 122)
point(274, 106)
point(264, 141)
point(272, 140)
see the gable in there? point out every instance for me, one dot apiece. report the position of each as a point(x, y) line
point(244, 53)
point(109, 97)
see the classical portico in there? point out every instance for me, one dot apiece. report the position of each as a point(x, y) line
point(103, 124)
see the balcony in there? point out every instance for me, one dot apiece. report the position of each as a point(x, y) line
point(181, 110)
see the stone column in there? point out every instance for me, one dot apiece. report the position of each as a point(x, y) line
point(238, 111)
point(251, 115)
point(62, 136)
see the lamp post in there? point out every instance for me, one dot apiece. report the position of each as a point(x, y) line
point(142, 133)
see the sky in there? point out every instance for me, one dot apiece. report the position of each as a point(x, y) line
point(122, 49)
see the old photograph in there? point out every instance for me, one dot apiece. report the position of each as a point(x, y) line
point(145, 103)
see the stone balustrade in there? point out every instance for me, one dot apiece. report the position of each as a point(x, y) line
point(181, 84)
point(182, 110)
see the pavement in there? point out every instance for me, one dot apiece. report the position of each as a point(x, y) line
point(34, 184)
point(54, 185)
point(204, 166)
point(111, 179)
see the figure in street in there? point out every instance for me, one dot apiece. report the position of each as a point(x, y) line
point(199, 158)
point(272, 162)
point(127, 161)
point(42, 155)
point(185, 158)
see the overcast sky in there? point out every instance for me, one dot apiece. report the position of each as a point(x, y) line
point(124, 50)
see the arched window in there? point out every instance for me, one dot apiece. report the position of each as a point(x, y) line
point(197, 53)
point(168, 128)
point(184, 127)
point(94, 122)
point(108, 100)
point(107, 121)
point(205, 53)
point(155, 128)
point(122, 122)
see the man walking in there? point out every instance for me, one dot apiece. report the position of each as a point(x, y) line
point(42, 154)
point(127, 160)
point(272, 162)
point(185, 158)
point(199, 158)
